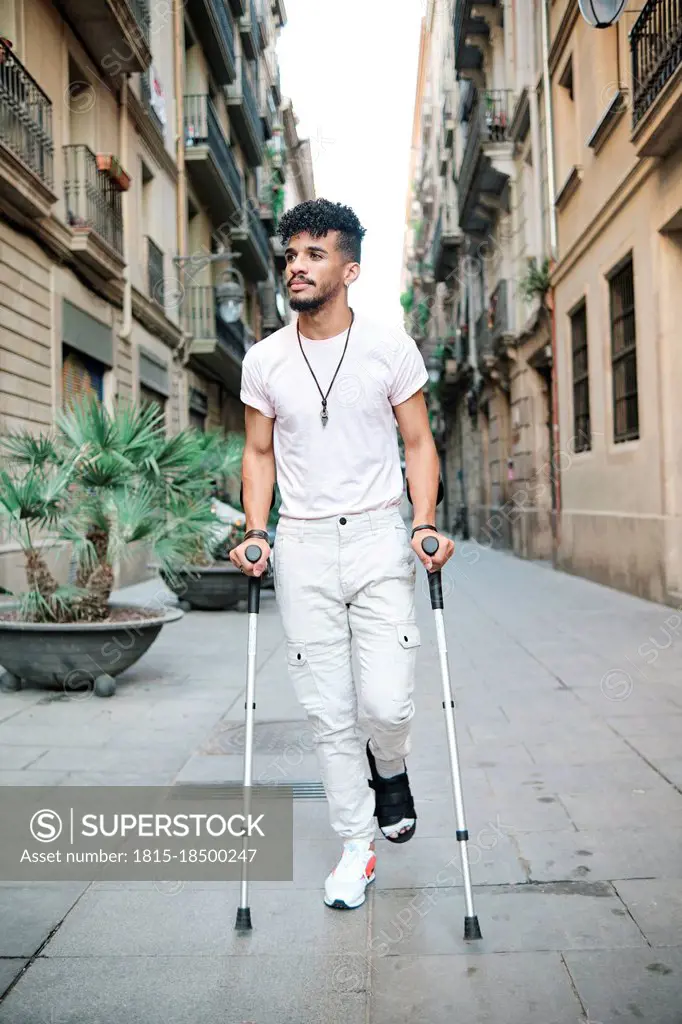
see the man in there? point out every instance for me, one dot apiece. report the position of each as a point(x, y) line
point(322, 398)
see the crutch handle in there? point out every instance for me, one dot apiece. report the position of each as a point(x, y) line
point(253, 553)
point(430, 546)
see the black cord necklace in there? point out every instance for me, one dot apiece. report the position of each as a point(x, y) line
point(323, 414)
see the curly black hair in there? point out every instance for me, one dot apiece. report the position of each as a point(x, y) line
point(317, 217)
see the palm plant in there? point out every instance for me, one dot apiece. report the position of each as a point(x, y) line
point(103, 482)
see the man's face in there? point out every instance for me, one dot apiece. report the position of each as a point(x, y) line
point(315, 270)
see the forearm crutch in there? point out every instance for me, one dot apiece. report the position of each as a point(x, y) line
point(253, 553)
point(472, 928)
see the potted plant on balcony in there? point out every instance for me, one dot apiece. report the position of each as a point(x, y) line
point(208, 581)
point(108, 164)
point(104, 484)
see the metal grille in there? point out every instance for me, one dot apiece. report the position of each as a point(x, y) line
point(140, 9)
point(307, 790)
point(25, 117)
point(581, 391)
point(92, 200)
point(656, 48)
point(624, 355)
point(202, 126)
point(155, 278)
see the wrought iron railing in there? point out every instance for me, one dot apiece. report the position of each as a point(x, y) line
point(200, 319)
point(484, 340)
point(202, 126)
point(25, 117)
point(93, 202)
point(198, 311)
point(251, 105)
point(258, 232)
point(224, 21)
point(146, 93)
point(140, 9)
point(155, 275)
point(437, 233)
point(488, 122)
point(656, 47)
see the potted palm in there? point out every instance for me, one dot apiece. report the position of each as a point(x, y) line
point(208, 581)
point(103, 484)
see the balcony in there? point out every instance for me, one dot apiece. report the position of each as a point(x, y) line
point(245, 117)
point(210, 161)
point(116, 32)
point(155, 274)
point(146, 87)
point(217, 347)
point(500, 324)
point(447, 243)
point(249, 32)
point(487, 163)
point(472, 32)
point(26, 146)
point(93, 213)
point(280, 13)
point(215, 29)
point(656, 49)
point(484, 340)
point(268, 107)
point(250, 240)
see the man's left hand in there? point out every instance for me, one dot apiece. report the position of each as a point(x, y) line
point(446, 549)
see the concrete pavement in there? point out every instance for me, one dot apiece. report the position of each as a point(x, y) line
point(569, 717)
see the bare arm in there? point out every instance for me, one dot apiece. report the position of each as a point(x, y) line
point(258, 469)
point(258, 480)
point(422, 468)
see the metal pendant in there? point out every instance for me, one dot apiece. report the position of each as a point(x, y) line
point(323, 414)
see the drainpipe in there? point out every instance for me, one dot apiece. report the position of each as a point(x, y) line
point(551, 187)
point(181, 202)
point(123, 151)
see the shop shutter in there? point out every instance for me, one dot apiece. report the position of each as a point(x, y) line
point(82, 377)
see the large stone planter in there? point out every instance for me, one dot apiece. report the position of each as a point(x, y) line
point(209, 588)
point(78, 656)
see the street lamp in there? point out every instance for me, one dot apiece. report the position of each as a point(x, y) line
point(434, 368)
point(230, 290)
point(601, 13)
point(229, 296)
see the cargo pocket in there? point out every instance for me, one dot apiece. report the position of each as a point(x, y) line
point(408, 634)
point(302, 677)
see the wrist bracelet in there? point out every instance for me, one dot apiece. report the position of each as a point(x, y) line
point(424, 526)
point(257, 533)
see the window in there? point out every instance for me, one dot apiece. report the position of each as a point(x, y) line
point(567, 137)
point(198, 409)
point(624, 354)
point(82, 377)
point(582, 438)
point(150, 397)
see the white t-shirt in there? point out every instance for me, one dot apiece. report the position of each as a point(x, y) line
point(353, 463)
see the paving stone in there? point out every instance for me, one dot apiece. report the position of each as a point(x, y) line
point(656, 905)
point(151, 923)
point(628, 986)
point(618, 807)
point(602, 854)
point(525, 919)
point(514, 988)
point(28, 915)
point(16, 758)
point(9, 969)
point(185, 989)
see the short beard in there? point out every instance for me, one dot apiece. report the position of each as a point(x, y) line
point(313, 304)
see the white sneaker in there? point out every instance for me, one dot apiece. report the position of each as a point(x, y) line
point(345, 886)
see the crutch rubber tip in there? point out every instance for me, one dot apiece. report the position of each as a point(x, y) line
point(243, 922)
point(472, 929)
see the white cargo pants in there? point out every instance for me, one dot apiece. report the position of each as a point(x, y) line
point(339, 579)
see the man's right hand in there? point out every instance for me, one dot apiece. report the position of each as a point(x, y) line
point(239, 559)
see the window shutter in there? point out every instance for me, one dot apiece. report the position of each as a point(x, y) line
point(82, 377)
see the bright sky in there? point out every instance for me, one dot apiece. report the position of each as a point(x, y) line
point(350, 68)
